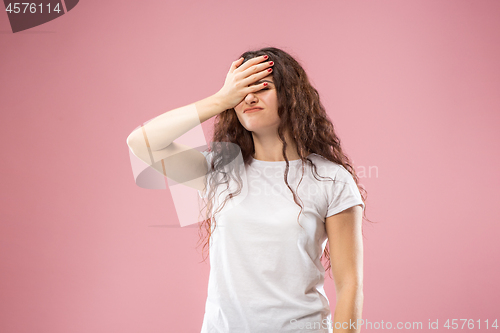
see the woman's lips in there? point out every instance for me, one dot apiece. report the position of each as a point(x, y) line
point(252, 110)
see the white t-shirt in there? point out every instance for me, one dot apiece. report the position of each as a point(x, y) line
point(266, 275)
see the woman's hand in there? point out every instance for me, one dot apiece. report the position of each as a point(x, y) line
point(239, 80)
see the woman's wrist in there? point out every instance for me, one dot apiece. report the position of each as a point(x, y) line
point(210, 106)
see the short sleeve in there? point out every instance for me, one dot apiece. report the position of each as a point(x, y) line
point(343, 193)
point(208, 159)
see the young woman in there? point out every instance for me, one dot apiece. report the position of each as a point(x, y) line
point(296, 192)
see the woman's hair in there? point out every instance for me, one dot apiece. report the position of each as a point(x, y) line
point(301, 114)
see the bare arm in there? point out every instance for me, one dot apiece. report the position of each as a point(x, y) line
point(346, 257)
point(164, 129)
point(154, 142)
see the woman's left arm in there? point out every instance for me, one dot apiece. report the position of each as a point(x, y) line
point(346, 258)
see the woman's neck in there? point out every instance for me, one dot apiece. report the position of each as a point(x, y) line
point(270, 148)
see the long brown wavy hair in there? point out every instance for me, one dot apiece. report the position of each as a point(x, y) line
point(301, 114)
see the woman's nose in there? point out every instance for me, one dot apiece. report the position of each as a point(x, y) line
point(250, 97)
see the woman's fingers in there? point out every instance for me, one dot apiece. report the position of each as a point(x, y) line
point(257, 87)
point(256, 69)
point(250, 63)
point(257, 76)
point(235, 64)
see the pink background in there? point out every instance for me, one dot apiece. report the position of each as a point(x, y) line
point(411, 86)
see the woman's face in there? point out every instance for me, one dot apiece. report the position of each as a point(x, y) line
point(266, 120)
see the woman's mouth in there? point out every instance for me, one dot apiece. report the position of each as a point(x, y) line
point(252, 110)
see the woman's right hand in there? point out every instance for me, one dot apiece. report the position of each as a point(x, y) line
point(240, 79)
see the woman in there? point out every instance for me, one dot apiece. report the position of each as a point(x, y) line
point(266, 273)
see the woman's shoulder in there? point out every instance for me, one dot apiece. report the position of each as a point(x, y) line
point(325, 167)
point(337, 171)
point(323, 161)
